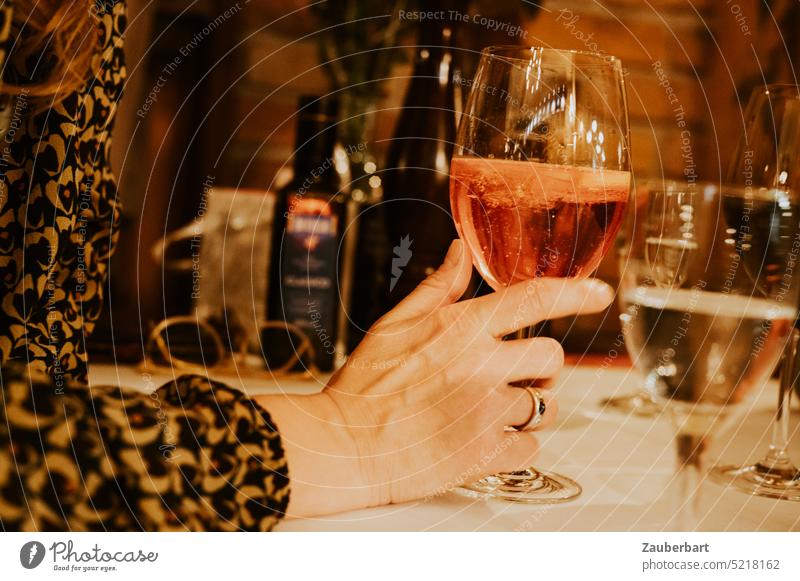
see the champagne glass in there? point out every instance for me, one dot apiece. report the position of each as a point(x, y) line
point(706, 307)
point(767, 157)
point(540, 178)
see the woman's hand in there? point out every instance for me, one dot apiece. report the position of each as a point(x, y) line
point(422, 404)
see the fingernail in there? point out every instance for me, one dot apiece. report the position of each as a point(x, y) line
point(600, 289)
point(453, 254)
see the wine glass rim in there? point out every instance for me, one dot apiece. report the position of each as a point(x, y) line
point(496, 51)
point(706, 187)
point(676, 186)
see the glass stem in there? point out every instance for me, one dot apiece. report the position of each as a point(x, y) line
point(650, 387)
point(524, 333)
point(777, 457)
point(687, 484)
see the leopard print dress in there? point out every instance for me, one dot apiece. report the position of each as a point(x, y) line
point(192, 455)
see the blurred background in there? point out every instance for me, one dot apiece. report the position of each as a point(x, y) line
point(211, 103)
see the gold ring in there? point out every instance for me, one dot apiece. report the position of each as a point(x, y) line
point(537, 411)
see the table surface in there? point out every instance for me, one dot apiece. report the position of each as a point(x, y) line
point(625, 464)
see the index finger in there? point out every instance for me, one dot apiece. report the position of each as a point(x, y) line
point(536, 300)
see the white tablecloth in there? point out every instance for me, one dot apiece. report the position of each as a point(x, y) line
point(624, 463)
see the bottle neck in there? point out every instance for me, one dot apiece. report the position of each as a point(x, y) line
point(313, 156)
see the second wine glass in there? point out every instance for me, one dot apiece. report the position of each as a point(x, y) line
point(766, 163)
point(539, 183)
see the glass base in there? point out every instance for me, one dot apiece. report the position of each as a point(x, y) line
point(640, 404)
point(781, 482)
point(528, 486)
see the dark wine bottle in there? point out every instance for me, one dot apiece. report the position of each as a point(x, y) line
point(308, 226)
point(416, 183)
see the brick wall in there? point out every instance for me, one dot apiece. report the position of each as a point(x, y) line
point(281, 64)
point(672, 36)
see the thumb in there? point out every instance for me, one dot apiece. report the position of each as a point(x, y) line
point(443, 287)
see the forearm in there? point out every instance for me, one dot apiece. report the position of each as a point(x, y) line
point(191, 455)
point(326, 471)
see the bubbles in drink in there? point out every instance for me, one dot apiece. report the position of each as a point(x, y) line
point(525, 219)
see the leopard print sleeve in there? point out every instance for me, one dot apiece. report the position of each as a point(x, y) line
point(192, 455)
point(98, 209)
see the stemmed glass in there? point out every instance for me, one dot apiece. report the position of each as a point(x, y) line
point(708, 303)
point(540, 178)
point(644, 401)
point(767, 159)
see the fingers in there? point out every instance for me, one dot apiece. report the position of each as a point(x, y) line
point(530, 302)
point(443, 287)
point(517, 405)
point(525, 359)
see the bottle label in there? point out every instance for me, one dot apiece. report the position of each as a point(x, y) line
point(308, 272)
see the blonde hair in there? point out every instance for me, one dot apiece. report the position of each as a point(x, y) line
point(61, 34)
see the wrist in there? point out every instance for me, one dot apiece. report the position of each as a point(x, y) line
point(362, 431)
point(328, 466)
